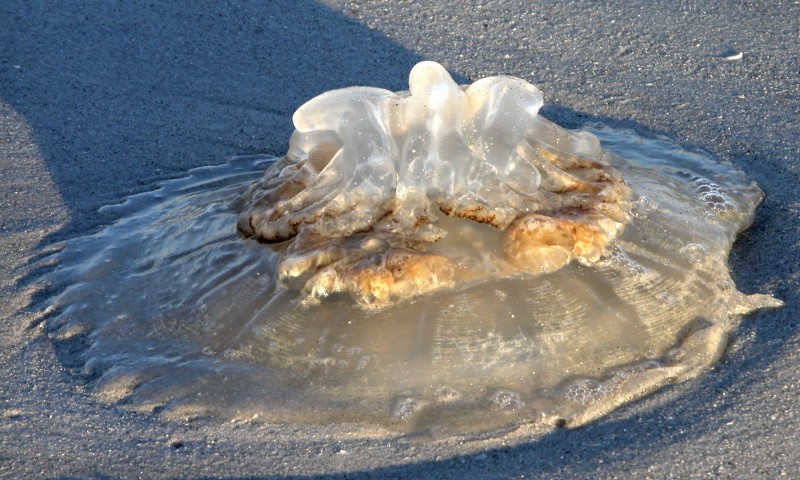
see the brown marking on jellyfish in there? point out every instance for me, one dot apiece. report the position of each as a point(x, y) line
point(407, 264)
point(422, 220)
point(591, 241)
point(476, 213)
point(538, 243)
point(289, 228)
point(376, 281)
point(389, 213)
point(568, 188)
point(371, 285)
point(416, 273)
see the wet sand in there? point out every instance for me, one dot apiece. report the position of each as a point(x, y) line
point(101, 100)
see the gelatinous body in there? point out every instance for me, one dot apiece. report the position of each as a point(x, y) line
point(444, 261)
point(370, 173)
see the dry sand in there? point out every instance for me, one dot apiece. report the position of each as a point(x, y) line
point(101, 99)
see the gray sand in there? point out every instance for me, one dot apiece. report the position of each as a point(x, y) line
point(104, 99)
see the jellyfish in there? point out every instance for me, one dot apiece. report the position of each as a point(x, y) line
point(370, 173)
point(441, 261)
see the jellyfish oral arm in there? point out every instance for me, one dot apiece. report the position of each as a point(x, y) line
point(369, 166)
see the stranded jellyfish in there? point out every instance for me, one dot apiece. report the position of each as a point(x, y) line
point(440, 261)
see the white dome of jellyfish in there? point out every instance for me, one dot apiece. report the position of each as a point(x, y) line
point(442, 261)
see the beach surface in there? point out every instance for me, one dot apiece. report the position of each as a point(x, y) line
point(103, 99)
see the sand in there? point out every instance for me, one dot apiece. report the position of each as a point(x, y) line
point(101, 99)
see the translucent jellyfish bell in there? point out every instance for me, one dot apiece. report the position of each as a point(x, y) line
point(371, 167)
point(441, 261)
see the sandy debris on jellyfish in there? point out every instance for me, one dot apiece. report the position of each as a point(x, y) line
point(369, 174)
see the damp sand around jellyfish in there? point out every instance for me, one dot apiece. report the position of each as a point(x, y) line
point(440, 262)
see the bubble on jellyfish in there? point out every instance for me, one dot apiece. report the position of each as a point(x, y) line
point(440, 261)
